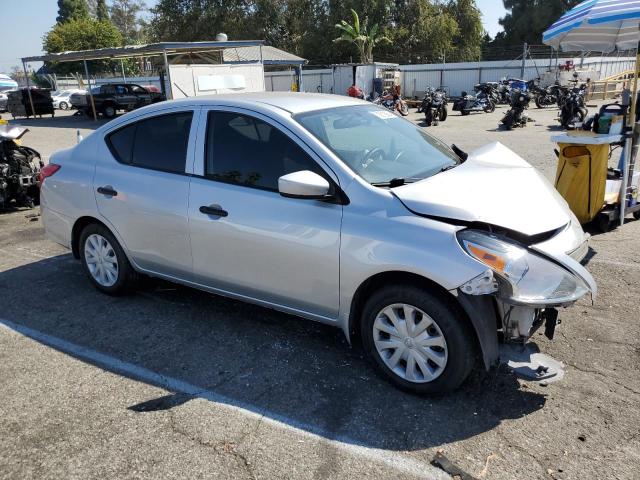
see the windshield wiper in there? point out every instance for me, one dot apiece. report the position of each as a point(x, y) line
point(394, 182)
point(448, 167)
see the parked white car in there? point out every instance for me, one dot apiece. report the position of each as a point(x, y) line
point(61, 98)
point(4, 99)
point(329, 208)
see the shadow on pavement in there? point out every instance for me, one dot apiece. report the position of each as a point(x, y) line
point(61, 121)
point(296, 371)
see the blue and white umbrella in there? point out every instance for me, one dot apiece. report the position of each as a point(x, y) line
point(597, 25)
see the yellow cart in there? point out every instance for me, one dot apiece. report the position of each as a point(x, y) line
point(581, 176)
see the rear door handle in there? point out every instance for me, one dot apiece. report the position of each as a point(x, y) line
point(107, 190)
point(215, 210)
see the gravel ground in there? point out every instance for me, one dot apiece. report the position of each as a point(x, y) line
point(88, 381)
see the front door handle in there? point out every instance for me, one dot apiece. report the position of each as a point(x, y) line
point(107, 190)
point(215, 210)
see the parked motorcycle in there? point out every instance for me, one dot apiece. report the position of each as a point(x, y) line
point(480, 102)
point(543, 97)
point(19, 169)
point(434, 106)
point(516, 116)
point(393, 102)
point(573, 110)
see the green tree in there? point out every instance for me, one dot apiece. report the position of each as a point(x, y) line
point(420, 30)
point(365, 40)
point(528, 19)
point(468, 42)
point(125, 14)
point(82, 34)
point(70, 9)
point(102, 12)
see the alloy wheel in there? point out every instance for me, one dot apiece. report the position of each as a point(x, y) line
point(410, 343)
point(101, 260)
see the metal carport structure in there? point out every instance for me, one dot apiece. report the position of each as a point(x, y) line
point(226, 52)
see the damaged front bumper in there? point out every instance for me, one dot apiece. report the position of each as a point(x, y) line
point(523, 287)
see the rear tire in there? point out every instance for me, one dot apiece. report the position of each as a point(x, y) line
point(109, 111)
point(435, 339)
point(104, 261)
point(490, 108)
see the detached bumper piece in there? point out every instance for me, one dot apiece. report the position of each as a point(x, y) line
point(528, 363)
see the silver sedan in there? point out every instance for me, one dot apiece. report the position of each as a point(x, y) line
point(332, 209)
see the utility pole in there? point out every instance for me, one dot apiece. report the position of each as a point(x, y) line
point(524, 59)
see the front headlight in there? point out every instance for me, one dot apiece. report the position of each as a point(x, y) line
point(526, 278)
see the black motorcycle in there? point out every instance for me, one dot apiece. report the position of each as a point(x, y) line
point(516, 117)
point(573, 110)
point(482, 101)
point(19, 170)
point(434, 106)
point(543, 97)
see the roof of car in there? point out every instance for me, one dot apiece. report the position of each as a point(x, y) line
point(293, 102)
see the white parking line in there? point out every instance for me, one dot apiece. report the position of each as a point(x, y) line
point(390, 459)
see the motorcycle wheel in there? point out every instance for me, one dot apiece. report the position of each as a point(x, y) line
point(428, 117)
point(404, 109)
point(490, 108)
point(444, 114)
point(507, 121)
point(539, 103)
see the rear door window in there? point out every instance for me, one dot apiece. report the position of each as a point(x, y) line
point(158, 143)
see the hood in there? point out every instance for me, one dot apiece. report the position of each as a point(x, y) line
point(494, 186)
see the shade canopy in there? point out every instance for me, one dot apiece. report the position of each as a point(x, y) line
point(597, 25)
point(148, 50)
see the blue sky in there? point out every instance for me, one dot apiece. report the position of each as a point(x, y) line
point(21, 34)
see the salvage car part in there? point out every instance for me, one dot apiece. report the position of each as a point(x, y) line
point(19, 169)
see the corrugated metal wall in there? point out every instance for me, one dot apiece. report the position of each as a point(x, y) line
point(457, 77)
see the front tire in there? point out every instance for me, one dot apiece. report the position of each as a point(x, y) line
point(104, 260)
point(417, 341)
point(428, 116)
point(63, 106)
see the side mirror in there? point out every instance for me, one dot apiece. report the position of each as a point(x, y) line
point(304, 185)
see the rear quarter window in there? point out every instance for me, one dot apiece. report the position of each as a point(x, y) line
point(158, 143)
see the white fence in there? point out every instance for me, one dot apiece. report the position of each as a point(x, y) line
point(456, 77)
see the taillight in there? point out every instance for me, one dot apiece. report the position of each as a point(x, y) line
point(47, 171)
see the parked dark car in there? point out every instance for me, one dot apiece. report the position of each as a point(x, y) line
point(111, 97)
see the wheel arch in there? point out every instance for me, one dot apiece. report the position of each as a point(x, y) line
point(395, 277)
point(76, 231)
point(478, 312)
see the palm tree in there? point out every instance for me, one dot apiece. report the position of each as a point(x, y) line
point(358, 35)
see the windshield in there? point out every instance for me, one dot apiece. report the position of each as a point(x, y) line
point(377, 144)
